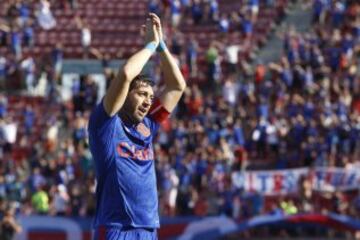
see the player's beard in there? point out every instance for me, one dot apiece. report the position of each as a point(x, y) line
point(138, 116)
point(132, 113)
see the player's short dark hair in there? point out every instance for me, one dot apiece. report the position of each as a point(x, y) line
point(140, 80)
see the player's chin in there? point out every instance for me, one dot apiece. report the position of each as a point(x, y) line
point(139, 116)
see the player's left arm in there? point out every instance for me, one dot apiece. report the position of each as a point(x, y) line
point(174, 81)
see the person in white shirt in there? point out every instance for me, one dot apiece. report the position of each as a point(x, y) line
point(61, 200)
point(85, 35)
point(45, 18)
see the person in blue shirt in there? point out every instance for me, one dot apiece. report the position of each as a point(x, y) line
point(16, 43)
point(121, 130)
point(154, 6)
point(197, 12)
point(175, 9)
point(28, 34)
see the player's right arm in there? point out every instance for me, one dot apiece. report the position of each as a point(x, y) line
point(118, 90)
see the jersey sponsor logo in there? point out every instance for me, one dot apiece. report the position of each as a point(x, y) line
point(143, 130)
point(126, 150)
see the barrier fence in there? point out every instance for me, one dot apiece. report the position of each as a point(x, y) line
point(181, 228)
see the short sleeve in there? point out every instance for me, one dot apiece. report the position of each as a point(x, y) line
point(101, 133)
point(99, 118)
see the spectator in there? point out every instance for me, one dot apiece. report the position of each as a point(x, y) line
point(191, 56)
point(177, 42)
point(171, 190)
point(232, 58)
point(16, 43)
point(60, 200)
point(12, 12)
point(44, 15)
point(27, 66)
point(40, 201)
point(73, 4)
point(214, 10)
point(197, 12)
point(154, 7)
point(80, 132)
point(224, 23)
point(24, 13)
point(319, 10)
point(3, 72)
point(9, 226)
point(29, 119)
point(28, 34)
point(57, 60)
point(85, 35)
point(213, 61)
point(230, 91)
point(253, 9)
point(288, 207)
point(3, 106)
point(260, 71)
point(175, 13)
point(4, 29)
point(8, 129)
point(247, 27)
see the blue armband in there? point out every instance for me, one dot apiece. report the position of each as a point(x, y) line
point(161, 47)
point(151, 46)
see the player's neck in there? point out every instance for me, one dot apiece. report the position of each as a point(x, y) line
point(127, 119)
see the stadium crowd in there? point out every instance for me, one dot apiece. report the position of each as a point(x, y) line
point(302, 110)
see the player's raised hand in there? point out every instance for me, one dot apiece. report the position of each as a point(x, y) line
point(156, 20)
point(150, 30)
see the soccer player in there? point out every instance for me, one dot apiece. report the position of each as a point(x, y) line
point(121, 130)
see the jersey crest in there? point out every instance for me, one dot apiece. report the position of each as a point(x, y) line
point(143, 130)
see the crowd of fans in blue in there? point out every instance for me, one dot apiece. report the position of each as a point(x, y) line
point(300, 111)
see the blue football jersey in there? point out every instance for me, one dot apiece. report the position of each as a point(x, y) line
point(125, 170)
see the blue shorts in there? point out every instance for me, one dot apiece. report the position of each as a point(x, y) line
point(127, 233)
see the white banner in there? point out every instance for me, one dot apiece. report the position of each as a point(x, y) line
point(276, 182)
